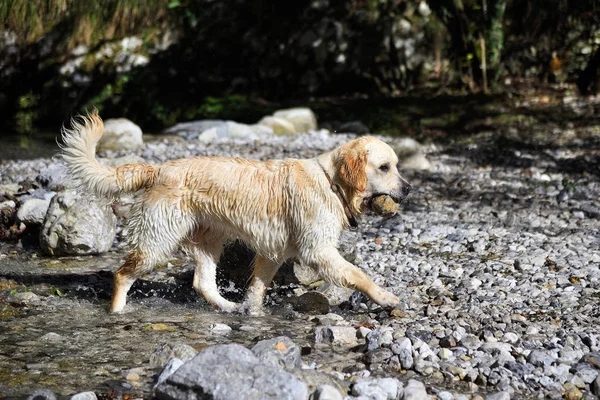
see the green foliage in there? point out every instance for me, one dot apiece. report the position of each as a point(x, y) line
point(216, 107)
point(473, 26)
point(27, 113)
point(83, 21)
point(106, 94)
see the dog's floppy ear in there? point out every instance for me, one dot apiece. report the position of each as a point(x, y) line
point(351, 169)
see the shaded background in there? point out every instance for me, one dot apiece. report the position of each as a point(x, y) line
point(395, 65)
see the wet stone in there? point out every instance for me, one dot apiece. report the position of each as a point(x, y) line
point(403, 348)
point(378, 338)
point(42, 394)
point(336, 335)
point(541, 358)
point(572, 392)
point(84, 396)
point(172, 365)
point(166, 351)
point(244, 372)
point(220, 329)
point(279, 351)
point(595, 386)
point(310, 302)
point(314, 379)
point(448, 341)
point(443, 395)
point(377, 356)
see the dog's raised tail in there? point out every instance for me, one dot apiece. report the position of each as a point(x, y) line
point(79, 156)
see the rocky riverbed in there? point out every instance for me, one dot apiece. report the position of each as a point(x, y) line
point(495, 257)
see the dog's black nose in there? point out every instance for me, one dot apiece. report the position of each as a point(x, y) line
point(406, 189)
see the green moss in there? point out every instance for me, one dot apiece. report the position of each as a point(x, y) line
point(443, 121)
point(513, 120)
point(64, 263)
point(11, 379)
point(108, 91)
point(8, 311)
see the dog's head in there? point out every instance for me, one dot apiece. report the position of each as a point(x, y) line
point(367, 167)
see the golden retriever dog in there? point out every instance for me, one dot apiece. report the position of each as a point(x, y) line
point(279, 208)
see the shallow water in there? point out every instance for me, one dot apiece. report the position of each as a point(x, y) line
point(56, 332)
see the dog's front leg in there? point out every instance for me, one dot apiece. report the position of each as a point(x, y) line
point(335, 269)
point(262, 276)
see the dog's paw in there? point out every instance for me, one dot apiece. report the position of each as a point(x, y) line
point(251, 310)
point(386, 299)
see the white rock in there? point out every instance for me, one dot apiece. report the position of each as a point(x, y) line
point(415, 390)
point(192, 129)
point(220, 329)
point(302, 118)
point(120, 134)
point(54, 176)
point(84, 396)
point(384, 388)
point(279, 126)
point(474, 283)
point(336, 335)
point(510, 337)
point(445, 354)
point(33, 211)
point(445, 395)
point(362, 332)
point(7, 204)
point(424, 9)
point(52, 338)
point(327, 392)
point(234, 131)
point(498, 396)
point(410, 153)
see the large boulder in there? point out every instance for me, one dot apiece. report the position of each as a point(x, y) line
point(302, 118)
point(120, 134)
point(227, 371)
point(76, 225)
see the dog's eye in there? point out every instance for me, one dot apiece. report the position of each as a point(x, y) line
point(384, 167)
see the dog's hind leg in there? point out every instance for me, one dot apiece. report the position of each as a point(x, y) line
point(206, 252)
point(264, 272)
point(157, 229)
point(133, 268)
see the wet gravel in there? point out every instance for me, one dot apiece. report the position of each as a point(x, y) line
point(495, 257)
